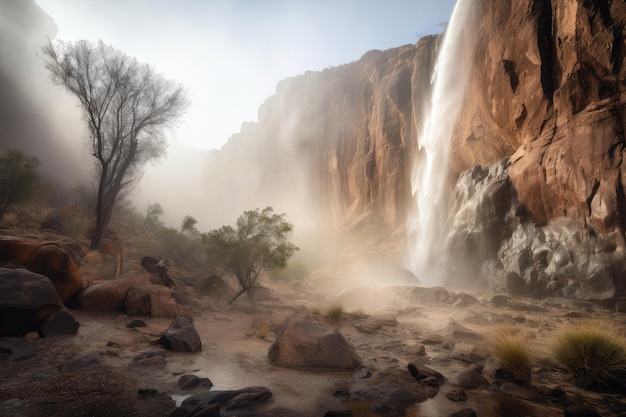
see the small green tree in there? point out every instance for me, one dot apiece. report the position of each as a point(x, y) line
point(153, 216)
point(18, 178)
point(188, 226)
point(258, 242)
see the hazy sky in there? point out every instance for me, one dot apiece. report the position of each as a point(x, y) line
point(232, 53)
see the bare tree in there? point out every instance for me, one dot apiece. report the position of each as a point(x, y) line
point(126, 107)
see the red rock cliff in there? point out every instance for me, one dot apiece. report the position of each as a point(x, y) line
point(547, 88)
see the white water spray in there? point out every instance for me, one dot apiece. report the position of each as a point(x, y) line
point(427, 227)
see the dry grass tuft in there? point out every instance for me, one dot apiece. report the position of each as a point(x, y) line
point(334, 313)
point(595, 356)
point(357, 314)
point(510, 347)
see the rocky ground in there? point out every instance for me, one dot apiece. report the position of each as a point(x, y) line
point(109, 369)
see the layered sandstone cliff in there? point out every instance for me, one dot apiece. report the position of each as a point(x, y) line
point(547, 89)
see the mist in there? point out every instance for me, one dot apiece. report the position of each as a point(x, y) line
point(36, 117)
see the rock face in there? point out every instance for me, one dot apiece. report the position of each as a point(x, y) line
point(547, 90)
point(305, 342)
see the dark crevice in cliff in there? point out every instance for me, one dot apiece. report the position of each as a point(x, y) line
point(509, 68)
point(594, 190)
point(545, 43)
point(600, 6)
point(617, 52)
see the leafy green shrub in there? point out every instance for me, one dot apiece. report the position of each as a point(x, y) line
point(510, 348)
point(258, 243)
point(18, 178)
point(595, 356)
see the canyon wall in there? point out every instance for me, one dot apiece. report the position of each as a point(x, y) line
point(547, 90)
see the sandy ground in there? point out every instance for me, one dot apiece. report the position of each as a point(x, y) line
point(234, 352)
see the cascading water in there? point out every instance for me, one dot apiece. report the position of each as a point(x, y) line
point(427, 227)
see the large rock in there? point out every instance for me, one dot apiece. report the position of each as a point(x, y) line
point(181, 336)
point(25, 299)
point(491, 237)
point(106, 295)
point(231, 399)
point(305, 342)
point(45, 258)
point(393, 390)
point(484, 215)
point(151, 300)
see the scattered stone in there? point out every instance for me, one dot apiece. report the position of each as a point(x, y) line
point(362, 373)
point(465, 300)
point(471, 379)
point(374, 324)
point(181, 336)
point(430, 295)
point(500, 300)
point(457, 394)
point(193, 381)
point(423, 373)
point(519, 391)
point(58, 322)
point(620, 307)
point(305, 342)
point(149, 358)
point(573, 315)
point(198, 410)
point(393, 390)
point(342, 390)
point(136, 323)
point(147, 393)
point(466, 412)
point(433, 339)
point(231, 400)
point(120, 341)
point(344, 413)
point(80, 362)
point(468, 357)
point(31, 336)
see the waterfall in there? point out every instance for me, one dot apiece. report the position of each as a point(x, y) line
point(427, 227)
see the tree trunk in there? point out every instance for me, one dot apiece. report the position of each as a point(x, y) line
point(104, 211)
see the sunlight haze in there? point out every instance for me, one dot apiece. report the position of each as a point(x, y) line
point(231, 54)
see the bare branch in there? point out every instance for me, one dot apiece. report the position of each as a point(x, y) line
point(126, 107)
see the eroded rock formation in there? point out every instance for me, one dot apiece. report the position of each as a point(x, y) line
point(547, 90)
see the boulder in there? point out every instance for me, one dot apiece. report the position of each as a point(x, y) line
point(393, 390)
point(192, 381)
point(305, 342)
point(470, 378)
point(215, 286)
point(425, 375)
point(45, 258)
point(58, 322)
point(181, 336)
point(106, 295)
point(26, 298)
point(151, 300)
point(231, 399)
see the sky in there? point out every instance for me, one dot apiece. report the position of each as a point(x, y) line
point(230, 54)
